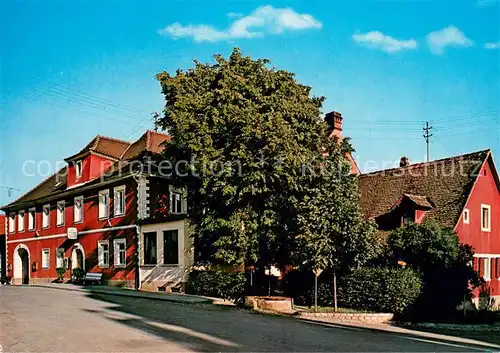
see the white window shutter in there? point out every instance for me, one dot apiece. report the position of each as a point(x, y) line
point(116, 255)
point(100, 256)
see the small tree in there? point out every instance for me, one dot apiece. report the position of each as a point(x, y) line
point(445, 263)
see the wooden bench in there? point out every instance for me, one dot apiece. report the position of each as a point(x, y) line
point(93, 277)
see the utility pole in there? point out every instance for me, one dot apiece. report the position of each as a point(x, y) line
point(427, 135)
point(9, 189)
point(155, 118)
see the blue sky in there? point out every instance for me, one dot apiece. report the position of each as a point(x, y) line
point(75, 69)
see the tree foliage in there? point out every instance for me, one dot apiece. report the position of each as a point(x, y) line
point(248, 141)
point(445, 263)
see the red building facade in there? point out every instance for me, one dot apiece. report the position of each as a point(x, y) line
point(462, 193)
point(91, 215)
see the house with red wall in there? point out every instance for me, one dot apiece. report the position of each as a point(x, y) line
point(461, 192)
point(3, 262)
point(98, 214)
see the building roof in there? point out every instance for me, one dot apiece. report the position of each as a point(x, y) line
point(106, 146)
point(150, 141)
point(443, 184)
point(55, 184)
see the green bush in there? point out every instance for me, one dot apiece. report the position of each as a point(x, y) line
point(218, 284)
point(379, 289)
point(77, 275)
point(61, 271)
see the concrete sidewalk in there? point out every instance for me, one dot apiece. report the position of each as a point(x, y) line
point(423, 335)
point(102, 289)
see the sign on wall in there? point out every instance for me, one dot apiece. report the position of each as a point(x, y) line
point(72, 233)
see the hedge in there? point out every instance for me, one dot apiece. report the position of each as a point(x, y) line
point(216, 283)
point(380, 289)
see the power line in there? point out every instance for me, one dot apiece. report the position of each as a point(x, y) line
point(427, 135)
point(60, 88)
point(87, 103)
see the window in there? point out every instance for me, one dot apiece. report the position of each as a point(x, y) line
point(407, 220)
point(466, 216)
point(20, 221)
point(485, 218)
point(59, 257)
point(31, 218)
point(119, 200)
point(78, 210)
point(497, 268)
point(104, 204)
point(12, 223)
point(46, 216)
point(176, 202)
point(45, 258)
point(170, 247)
point(120, 252)
point(60, 213)
point(103, 253)
point(78, 169)
point(150, 248)
point(487, 269)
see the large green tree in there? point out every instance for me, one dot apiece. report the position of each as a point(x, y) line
point(248, 142)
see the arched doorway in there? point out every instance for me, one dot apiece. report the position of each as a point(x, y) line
point(22, 264)
point(78, 257)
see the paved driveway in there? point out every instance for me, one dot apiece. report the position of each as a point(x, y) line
point(43, 319)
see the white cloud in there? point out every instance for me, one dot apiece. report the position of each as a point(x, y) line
point(485, 3)
point(263, 20)
point(235, 14)
point(492, 45)
point(449, 36)
point(380, 41)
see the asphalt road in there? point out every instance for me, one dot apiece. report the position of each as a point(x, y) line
point(42, 319)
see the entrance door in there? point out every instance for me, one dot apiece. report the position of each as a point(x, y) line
point(25, 264)
point(79, 259)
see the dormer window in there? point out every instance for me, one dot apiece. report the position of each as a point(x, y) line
point(407, 220)
point(78, 168)
point(466, 216)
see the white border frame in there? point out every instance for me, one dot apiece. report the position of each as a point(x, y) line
point(488, 207)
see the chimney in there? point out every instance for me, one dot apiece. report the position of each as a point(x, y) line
point(334, 121)
point(404, 162)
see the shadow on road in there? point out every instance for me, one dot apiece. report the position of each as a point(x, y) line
point(209, 328)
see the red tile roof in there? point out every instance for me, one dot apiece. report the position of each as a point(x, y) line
point(106, 146)
point(445, 183)
point(150, 141)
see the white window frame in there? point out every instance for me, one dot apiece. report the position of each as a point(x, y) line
point(466, 216)
point(488, 227)
point(60, 259)
point(117, 212)
point(178, 194)
point(32, 218)
point(116, 252)
point(12, 223)
point(104, 207)
point(61, 214)
point(45, 252)
point(20, 221)
point(75, 209)
point(487, 268)
point(100, 253)
point(78, 169)
point(46, 217)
